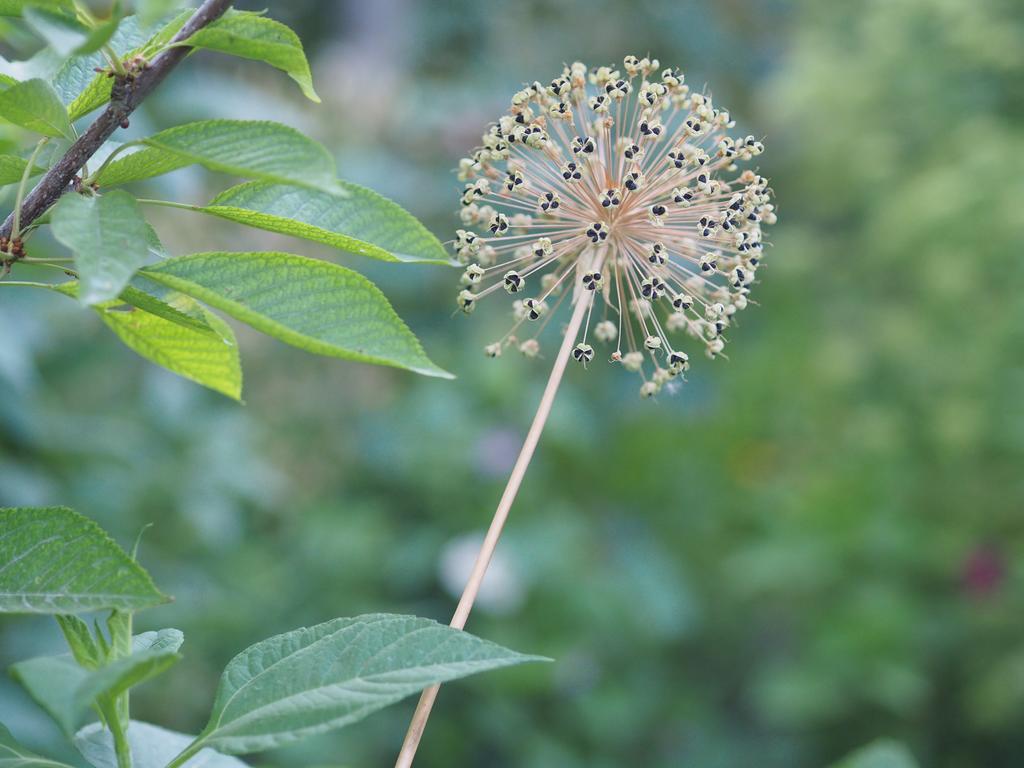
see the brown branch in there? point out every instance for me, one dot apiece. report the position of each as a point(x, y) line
point(127, 93)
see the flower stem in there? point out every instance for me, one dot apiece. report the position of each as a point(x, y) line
point(483, 559)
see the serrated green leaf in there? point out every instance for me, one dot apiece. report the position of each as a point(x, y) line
point(254, 36)
point(108, 236)
point(248, 148)
point(35, 106)
point(12, 168)
point(188, 314)
point(206, 355)
point(13, 755)
point(155, 299)
point(884, 753)
point(150, 745)
point(362, 222)
point(324, 677)
point(56, 561)
point(314, 305)
point(67, 691)
point(65, 34)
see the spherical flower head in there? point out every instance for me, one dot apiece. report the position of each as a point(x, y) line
point(618, 187)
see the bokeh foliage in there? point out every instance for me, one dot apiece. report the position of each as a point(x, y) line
point(812, 545)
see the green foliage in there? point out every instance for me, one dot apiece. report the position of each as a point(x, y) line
point(13, 755)
point(12, 168)
point(313, 305)
point(151, 747)
point(254, 149)
point(254, 36)
point(295, 192)
point(880, 754)
point(65, 34)
point(207, 353)
point(359, 220)
point(319, 678)
point(57, 561)
point(34, 105)
point(108, 237)
point(280, 690)
point(17, 7)
point(66, 689)
point(778, 564)
point(79, 85)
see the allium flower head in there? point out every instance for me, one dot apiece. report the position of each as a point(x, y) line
point(620, 185)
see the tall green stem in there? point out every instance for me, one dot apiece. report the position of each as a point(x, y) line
point(23, 185)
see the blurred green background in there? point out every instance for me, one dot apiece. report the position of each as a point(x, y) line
point(811, 545)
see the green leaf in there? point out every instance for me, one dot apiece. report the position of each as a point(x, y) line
point(206, 355)
point(56, 561)
point(35, 106)
point(319, 678)
point(84, 648)
point(78, 84)
point(188, 313)
point(152, 11)
point(13, 755)
point(314, 305)
point(160, 640)
point(254, 36)
point(249, 148)
point(884, 753)
point(363, 222)
point(118, 676)
point(17, 7)
point(67, 691)
point(67, 36)
point(109, 238)
point(51, 681)
point(155, 299)
point(12, 168)
point(150, 745)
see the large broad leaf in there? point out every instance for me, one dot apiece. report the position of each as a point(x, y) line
point(12, 168)
point(53, 560)
point(250, 148)
point(13, 755)
point(319, 678)
point(65, 35)
point(362, 222)
point(34, 105)
point(207, 356)
point(109, 238)
point(254, 36)
point(884, 753)
point(150, 745)
point(67, 691)
point(314, 305)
